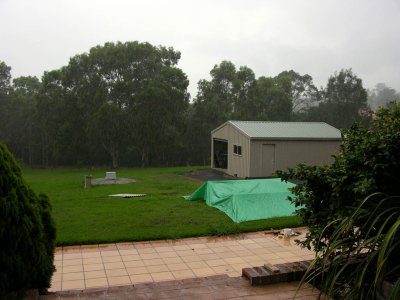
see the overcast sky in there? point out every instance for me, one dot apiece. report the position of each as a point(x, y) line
point(314, 37)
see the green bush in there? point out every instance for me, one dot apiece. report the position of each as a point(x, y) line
point(27, 232)
point(341, 222)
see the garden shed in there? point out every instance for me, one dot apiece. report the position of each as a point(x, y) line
point(255, 149)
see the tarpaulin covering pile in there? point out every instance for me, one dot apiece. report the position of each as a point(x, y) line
point(246, 200)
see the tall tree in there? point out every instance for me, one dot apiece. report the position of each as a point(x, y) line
point(5, 77)
point(103, 97)
point(382, 95)
point(300, 88)
point(344, 101)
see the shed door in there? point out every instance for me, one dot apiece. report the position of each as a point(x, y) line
point(268, 160)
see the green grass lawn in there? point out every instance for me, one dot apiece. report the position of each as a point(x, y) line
point(88, 216)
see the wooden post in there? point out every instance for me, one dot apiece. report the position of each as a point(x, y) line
point(88, 181)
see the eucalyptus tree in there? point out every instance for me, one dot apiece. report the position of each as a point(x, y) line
point(119, 97)
point(300, 88)
point(344, 100)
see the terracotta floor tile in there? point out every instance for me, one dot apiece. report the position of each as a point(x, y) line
point(55, 286)
point(93, 267)
point(198, 246)
point(72, 262)
point(276, 261)
point(269, 256)
point(72, 276)
point(133, 263)
point(215, 262)
point(223, 269)
point(191, 258)
point(237, 248)
point(173, 260)
point(149, 255)
point(203, 251)
point(250, 258)
point(204, 272)
point(90, 255)
point(182, 274)
point(73, 269)
point(96, 282)
point(153, 262)
point(246, 242)
point(132, 251)
point(285, 254)
point(94, 274)
point(293, 259)
point(94, 260)
point(67, 256)
point(89, 248)
point(57, 276)
point(227, 254)
point(108, 247)
point(116, 272)
point(168, 254)
point(108, 259)
point(147, 250)
point(209, 256)
point(253, 246)
point(157, 269)
point(219, 249)
point(71, 249)
point(239, 267)
point(58, 257)
point(126, 245)
point(162, 276)
point(197, 264)
point(114, 265)
point(110, 253)
point(233, 260)
point(142, 245)
point(243, 253)
point(120, 280)
point(141, 278)
point(178, 267)
point(259, 251)
point(72, 285)
point(181, 247)
point(137, 270)
point(131, 257)
point(164, 249)
point(183, 253)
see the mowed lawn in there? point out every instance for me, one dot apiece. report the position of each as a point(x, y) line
point(89, 216)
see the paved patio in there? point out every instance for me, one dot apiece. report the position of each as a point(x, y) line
point(126, 264)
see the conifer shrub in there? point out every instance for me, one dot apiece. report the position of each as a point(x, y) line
point(27, 233)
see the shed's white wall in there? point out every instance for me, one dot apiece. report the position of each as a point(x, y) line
point(290, 153)
point(238, 165)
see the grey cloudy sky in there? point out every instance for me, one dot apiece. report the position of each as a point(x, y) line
point(309, 36)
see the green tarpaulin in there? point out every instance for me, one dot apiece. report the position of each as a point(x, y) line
point(246, 200)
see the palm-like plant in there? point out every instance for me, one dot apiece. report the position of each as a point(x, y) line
point(362, 252)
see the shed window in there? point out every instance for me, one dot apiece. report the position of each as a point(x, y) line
point(237, 149)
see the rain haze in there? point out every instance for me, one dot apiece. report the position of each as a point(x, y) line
point(310, 37)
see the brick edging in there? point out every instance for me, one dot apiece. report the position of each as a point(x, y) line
point(269, 274)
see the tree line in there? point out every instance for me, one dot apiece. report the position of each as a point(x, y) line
point(127, 104)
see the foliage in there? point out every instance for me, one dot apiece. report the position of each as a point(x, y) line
point(368, 163)
point(89, 216)
point(362, 252)
point(382, 95)
point(344, 100)
point(27, 232)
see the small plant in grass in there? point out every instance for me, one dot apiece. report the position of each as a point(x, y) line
point(354, 234)
point(27, 233)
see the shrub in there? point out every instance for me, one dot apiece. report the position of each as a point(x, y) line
point(27, 232)
point(341, 221)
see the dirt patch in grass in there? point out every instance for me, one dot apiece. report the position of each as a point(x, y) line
point(209, 174)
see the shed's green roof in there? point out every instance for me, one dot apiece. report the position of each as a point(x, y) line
point(287, 130)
